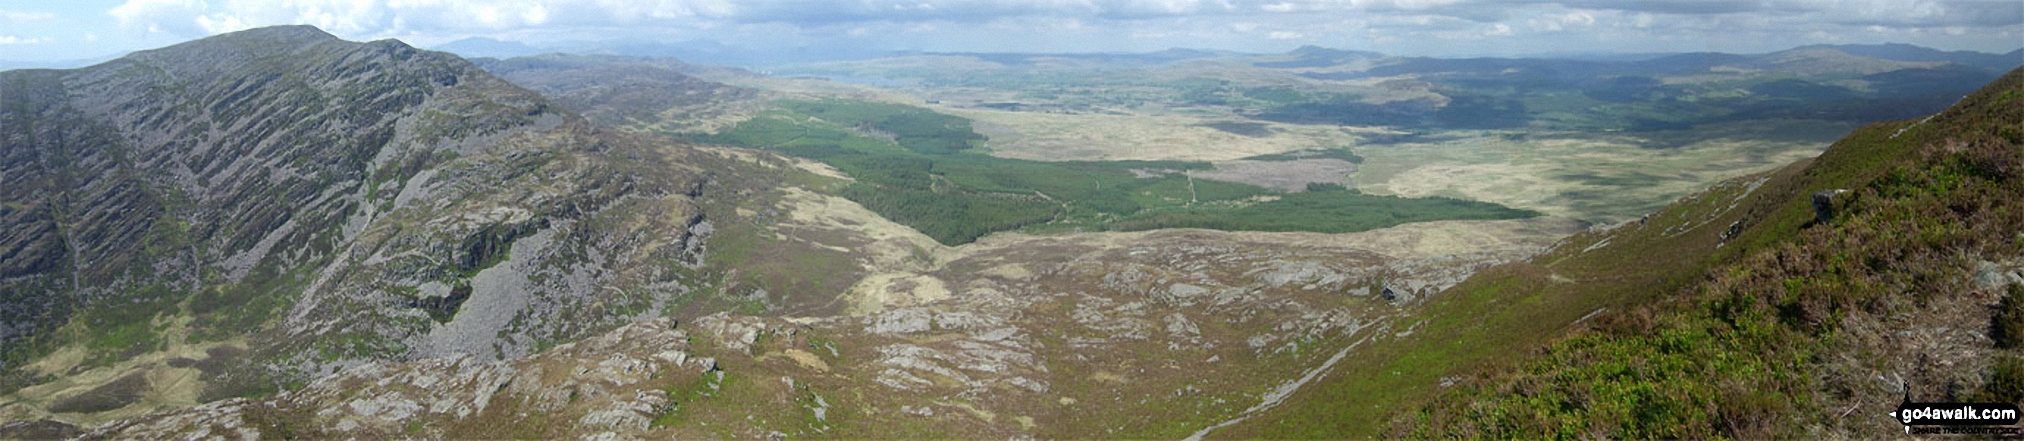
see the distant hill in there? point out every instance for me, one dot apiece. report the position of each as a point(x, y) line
point(1906, 52)
point(1160, 57)
point(55, 64)
point(1316, 56)
point(1858, 59)
point(615, 91)
point(1673, 92)
point(720, 53)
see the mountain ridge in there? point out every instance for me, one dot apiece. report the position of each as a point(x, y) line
point(289, 203)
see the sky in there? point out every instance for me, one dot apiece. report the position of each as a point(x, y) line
point(46, 31)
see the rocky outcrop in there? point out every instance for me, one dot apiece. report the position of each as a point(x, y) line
point(1823, 205)
point(600, 386)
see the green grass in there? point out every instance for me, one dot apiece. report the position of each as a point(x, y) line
point(1337, 211)
point(223, 312)
point(691, 392)
point(916, 167)
point(115, 331)
point(1335, 153)
point(745, 257)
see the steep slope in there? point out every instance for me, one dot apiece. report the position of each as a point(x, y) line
point(1739, 312)
point(226, 216)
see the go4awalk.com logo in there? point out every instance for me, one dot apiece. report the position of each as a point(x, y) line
point(1958, 418)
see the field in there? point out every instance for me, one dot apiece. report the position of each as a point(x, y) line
point(923, 169)
point(1092, 137)
point(1599, 177)
point(1597, 141)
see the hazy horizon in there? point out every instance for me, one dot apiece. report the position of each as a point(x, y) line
point(53, 33)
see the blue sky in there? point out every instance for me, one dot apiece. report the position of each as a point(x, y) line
point(68, 30)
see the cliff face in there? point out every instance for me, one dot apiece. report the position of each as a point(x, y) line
point(308, 202)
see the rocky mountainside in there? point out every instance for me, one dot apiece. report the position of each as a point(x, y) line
point(1142, 334)
point(233, 214)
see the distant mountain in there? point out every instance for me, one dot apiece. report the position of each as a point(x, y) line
point(486, 47)
point(1312, 51)
point(615, 91)
point(715, 52)
point(1817, 59)
point(1022, 59)
point(1906, 52)
point(55, 64)
point(1316, 56)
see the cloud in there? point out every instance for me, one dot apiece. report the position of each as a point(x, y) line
point(1103, 24)
point(390, 17)
point(10, 40)
point(1671, 6)
point(171, 16)
point(219, 24)
point(18, 17)
point(1917, 13)
point(1557, 23)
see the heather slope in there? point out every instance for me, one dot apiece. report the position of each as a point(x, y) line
point(1732, 313)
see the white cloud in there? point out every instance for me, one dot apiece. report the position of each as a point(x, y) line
point(18, 17)
point(219, 24)
point(1643, 20)
point(1078, 25)
point(387, 17)
point(172, 16)
point(10, 40)
point(1561, 22)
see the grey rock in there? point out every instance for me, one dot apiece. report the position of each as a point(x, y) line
point(901, 321)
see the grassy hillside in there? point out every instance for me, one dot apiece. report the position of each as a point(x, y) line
point(1732, 313)
point(917, 167)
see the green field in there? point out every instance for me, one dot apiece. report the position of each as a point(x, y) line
point(922, 169)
